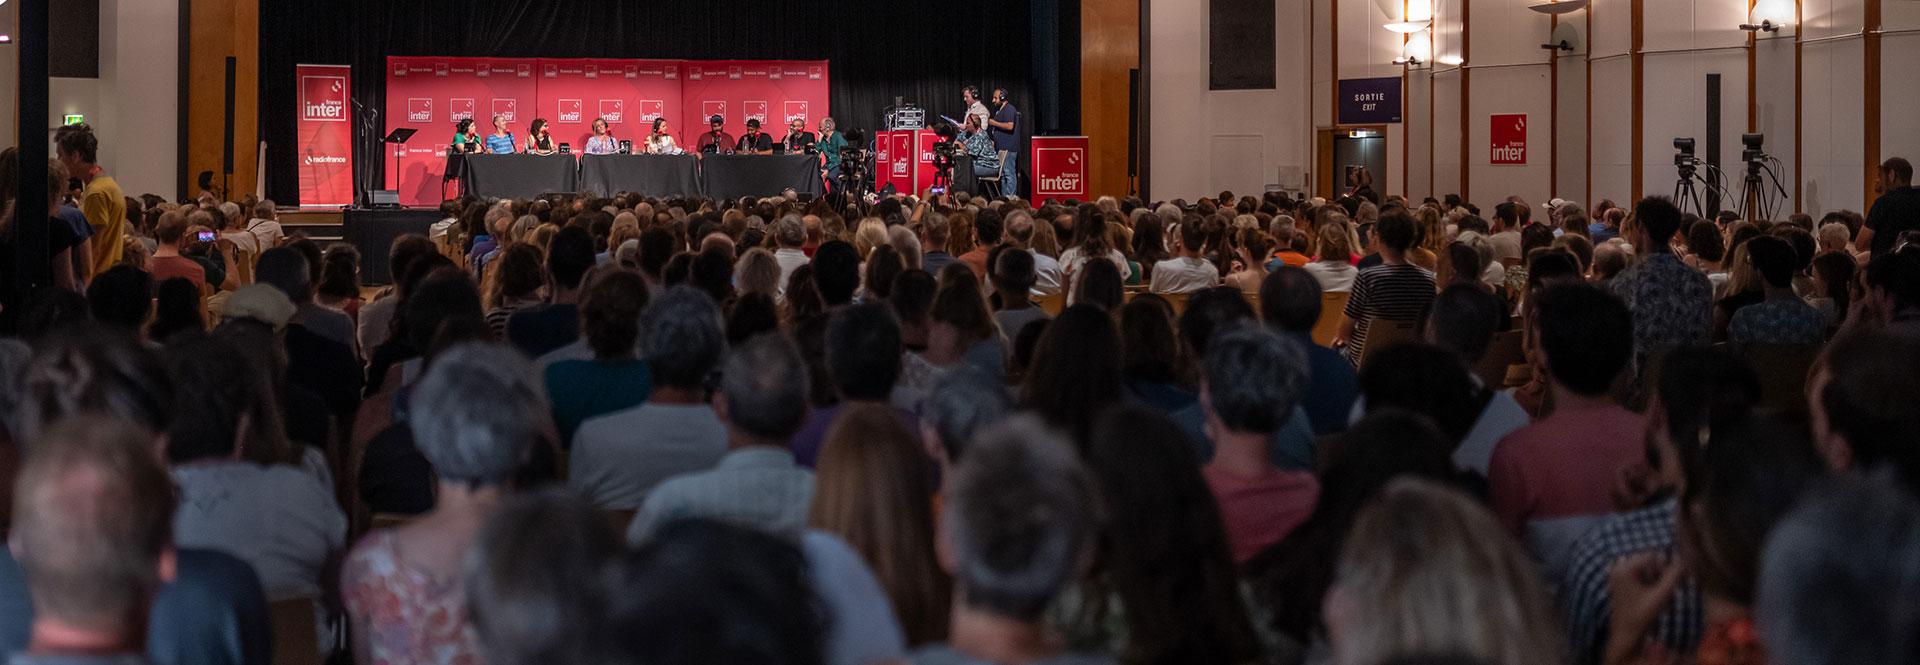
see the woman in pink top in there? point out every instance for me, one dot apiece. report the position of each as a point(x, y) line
point(475, 416)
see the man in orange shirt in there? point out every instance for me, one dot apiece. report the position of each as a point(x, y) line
point(102, 202)
point(1287, 243)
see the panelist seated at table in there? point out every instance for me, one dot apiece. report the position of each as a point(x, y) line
point(540, 138)
point(755, 142)
point(799, 141)
point(715, 139)
point(602, 141)
point(465, 138)
point(660, 140)
point(501, 141)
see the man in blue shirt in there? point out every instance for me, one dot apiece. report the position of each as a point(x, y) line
point(1006, 138)
point(500, 142)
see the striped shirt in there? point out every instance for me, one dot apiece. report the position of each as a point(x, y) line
point(1389, 292)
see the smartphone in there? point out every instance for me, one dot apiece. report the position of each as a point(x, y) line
point(205, 236)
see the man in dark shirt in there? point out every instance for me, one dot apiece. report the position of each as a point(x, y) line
point(798, 139)
point(755, 142)
point(716, 140)
point(1897, 210)
point(541, 328)
point(1005, 130)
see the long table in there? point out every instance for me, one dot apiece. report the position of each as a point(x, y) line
point(522, 176)
point(735, 176)
point(652, 175)
point(519, 176)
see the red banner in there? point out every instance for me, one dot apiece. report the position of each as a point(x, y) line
point(1059, 168)
point(325, 135)
point(772, 92)
point(628, 94)
point(1509, 138)
point(431, 94)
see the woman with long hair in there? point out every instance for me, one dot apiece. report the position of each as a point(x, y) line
point(1163, 588)
point(1149, 244)
point(339, 286)
point(1251, 253)
point(660, 139)
point(513, 282)
point(1090, 241)
point(873, 489)
point(1075, 371)
point(540, 138)
point(1332, 263)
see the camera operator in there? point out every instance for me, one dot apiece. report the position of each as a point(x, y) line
point(986, 159)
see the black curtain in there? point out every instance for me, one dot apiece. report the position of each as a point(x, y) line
point(919, 50)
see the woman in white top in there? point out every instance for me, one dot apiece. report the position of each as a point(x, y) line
point(602, 142)
point(659, 141)
point(1333, 264)
point(1090, 240)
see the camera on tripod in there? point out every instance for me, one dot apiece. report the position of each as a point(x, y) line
point(1684, 159)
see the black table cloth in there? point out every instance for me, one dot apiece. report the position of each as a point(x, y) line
point(735, 176)
point(519, 176)
point(663, 176)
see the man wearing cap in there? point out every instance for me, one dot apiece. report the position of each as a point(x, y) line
point(716, 140)
point(755, 142)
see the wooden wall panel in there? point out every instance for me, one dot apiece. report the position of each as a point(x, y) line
point(222, 28)
point(1109, 48)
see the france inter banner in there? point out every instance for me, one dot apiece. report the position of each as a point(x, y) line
point(1370, 101)
point(325, 135)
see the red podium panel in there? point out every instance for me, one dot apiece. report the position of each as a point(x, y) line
point(1059, 168)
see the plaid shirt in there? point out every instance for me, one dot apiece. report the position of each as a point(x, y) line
point(1585, 597)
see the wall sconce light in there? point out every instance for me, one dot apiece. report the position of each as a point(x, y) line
point(1557, 7)
point(1769, 16)
point(1417, 51)
point(1409, 27)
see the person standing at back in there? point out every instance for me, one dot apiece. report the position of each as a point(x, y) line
point(104, 206)
point(1004, 126)
point(1672, 304)
point(1896, 211)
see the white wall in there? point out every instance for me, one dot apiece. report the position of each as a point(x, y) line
point(1203, 141)
point(133, 106)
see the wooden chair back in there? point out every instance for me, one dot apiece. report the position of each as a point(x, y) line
point(1333, 304)
point(1783, 371)
point(1505, 351)
point(1052, 304)
point(295, 640)
point(1385, 333)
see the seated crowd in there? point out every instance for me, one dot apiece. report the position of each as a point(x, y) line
point(966, 430)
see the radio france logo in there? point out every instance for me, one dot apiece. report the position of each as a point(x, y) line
point(710, 109)
point(613, 110)
point(651, 109)
point(459, 108)
point(524, 70)
point(754, 111)
point(733, 72)
point(440, 69)
point(507, 108)
point(673, 72)
point(323, 98)
point(550, 70)
point(569, 111)
point(1068, 166)
point(419, 109)
point(796, 110)
point(814, 73)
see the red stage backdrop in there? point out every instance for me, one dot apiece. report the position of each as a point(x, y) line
point(1059, 168)
point(628, 93)
point(430, 94)
point(770, 91)
point(325, 135)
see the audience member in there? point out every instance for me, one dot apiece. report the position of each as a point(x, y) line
point(1671, 302)
point(1019, 523)
point(1290, 304)
point(873, 490)
point(615, 378)
point(1552, 480)
point(863, 360)
point(1783, 318)
point(537, 585)
point(1252, 382)
point(619, 458)
point(538, 329)
point(1395, 291)
point(1837, 577)
point(1426, 570)
point(475, 416)
point(762, 397)
point(1464, 320)
point(1186, 272)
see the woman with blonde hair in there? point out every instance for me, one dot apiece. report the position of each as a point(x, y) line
point(1432, 244)
point(871, 487)
point(1427, 570)
point(870, 233)
point(757, 272)
point(1332, 264)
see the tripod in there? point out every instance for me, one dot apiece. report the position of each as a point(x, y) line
point(1756, 202)
point(1684, 195)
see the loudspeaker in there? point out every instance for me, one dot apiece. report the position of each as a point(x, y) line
point(226, 142)
point(1713, 140)
point(1133, 122)
point(385, 198)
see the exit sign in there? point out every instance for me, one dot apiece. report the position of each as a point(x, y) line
point(73, 119)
